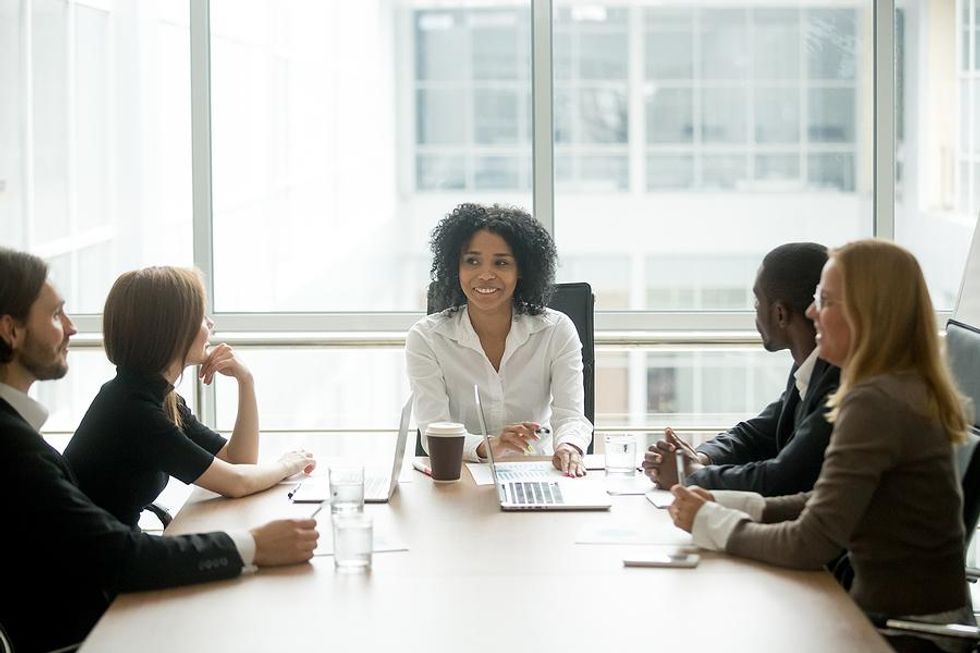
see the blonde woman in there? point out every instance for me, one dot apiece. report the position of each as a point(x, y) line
point(888, 491)
point(138, 431)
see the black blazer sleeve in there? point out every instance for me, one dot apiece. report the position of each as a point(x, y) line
point(796, 466)
point(89, 541)
point(794, 469)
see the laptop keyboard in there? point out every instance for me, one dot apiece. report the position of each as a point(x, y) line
point(536, 493)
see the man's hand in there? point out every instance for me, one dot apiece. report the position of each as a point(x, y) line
point(284, 542)
point(660, 461)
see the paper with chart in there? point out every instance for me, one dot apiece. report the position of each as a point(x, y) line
point(507, 472)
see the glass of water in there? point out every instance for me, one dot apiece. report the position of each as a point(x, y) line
point(620, 454)
point(346, 489)
point(353, 540)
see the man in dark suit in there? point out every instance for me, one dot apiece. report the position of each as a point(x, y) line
point(62, 558)
point(779, 451)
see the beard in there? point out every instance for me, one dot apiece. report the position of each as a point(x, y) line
point(42, 363)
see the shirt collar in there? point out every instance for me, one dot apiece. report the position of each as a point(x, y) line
point(459, 328)
point(31, 410)
point(804, 372)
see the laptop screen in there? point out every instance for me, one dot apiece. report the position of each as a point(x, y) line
point(486, 435)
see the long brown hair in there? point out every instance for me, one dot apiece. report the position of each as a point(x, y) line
point(151, 319)
point(893, 327)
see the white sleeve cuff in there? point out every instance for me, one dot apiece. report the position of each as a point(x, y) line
point(713, 525)
point(245, 544)
point(470, 445)
point(751, 503)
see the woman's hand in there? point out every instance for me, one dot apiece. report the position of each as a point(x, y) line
point(298, 461)
point(513, 438)
point(568, 460)
point(687, 502)
point(222, 360)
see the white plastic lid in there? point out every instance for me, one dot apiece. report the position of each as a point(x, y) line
point(444, 430)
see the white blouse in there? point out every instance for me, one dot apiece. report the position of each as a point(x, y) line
point(540, 378)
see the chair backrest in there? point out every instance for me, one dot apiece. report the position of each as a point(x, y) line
point(5, 645)
point(963, 356)
point(968, 462)
point(577, 302)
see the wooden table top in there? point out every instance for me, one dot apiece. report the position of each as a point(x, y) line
point(478, 579)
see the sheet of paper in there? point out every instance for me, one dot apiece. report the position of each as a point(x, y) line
point(383, 543)
point(595, 461)
point(636, 484)
point(530, 471)
point(606, 533)
point(660, 498)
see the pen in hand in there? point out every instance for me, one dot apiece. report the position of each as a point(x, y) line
point(541, 429)
point(679, 453)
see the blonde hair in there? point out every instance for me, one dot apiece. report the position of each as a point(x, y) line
point(893, 327)
point(151, 319)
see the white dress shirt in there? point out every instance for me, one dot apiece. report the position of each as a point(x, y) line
point(715, 521)
point(540, 378)
point(804, 372)
point(36, 415)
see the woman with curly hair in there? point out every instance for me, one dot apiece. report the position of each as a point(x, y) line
point(492, 273)
point(888, 491)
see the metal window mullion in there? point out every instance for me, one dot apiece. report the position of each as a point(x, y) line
point(542, 113)
point(27, 120)
point(71, 150)
point(200, 55)
point(884, 119)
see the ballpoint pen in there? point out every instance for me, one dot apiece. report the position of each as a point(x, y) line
point(541, 429)
point(289, 495)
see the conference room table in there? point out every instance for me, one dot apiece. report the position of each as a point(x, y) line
point(475, 578)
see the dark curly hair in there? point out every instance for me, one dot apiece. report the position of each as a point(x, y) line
point(533, 248)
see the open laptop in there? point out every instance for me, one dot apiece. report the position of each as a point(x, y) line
point(379, 485)
point(549, 494)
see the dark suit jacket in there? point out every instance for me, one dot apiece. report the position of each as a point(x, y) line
point(63, 559)
point(780, 451)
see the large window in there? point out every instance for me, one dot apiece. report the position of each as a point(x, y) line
point(704, 135)
point(95, 151)
point(688, 140)
point(938, 145)
point(343, 131)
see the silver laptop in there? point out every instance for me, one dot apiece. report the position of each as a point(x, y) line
point(550, 494)
point(379, 485)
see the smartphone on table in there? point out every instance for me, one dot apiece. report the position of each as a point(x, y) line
point(675, 559)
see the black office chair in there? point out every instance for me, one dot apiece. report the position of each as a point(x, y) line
point(963, 356)
point(577, 302)
point(5, 645)
point(162, 513)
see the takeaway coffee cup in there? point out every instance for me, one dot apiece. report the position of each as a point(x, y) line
point(445, 440)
